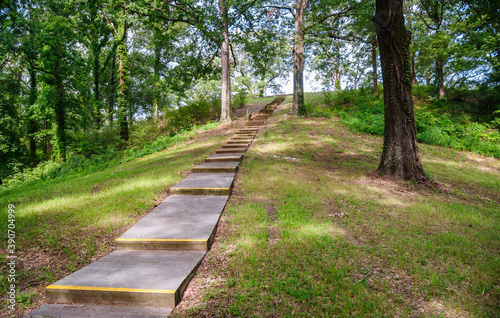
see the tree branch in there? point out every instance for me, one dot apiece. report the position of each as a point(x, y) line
point(284, 8)
point(335, 14)
point(232, 53)
point(109, 22)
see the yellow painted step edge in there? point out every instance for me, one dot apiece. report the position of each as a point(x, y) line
point(162, 240)
point(116, 289)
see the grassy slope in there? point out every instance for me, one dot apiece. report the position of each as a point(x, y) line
point(311, 237)
point(63, 225)
point(324, 236)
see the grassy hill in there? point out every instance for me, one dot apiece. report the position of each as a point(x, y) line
point(310, 229)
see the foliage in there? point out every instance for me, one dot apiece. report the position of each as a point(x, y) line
point(457, 121)
point(96, 151)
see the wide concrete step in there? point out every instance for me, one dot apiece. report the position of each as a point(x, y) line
point(243, 137)
point(255, 123)
point(239, 141)
point(235, 145)
point(248, 129)
point(129, 278)
point(231, 150)
point(95, 311)
point(225, 157)
point(205, 184)
point(216, 167)
point(181, 222)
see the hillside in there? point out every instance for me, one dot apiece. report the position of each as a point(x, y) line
point(310, 229)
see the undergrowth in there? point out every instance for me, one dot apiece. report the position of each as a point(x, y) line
point(464, 120)
point(97, 153)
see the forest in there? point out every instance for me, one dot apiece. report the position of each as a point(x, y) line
point(376, 195)
point(85, 82)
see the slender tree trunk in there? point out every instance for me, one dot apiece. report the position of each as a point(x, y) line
point(60, 113)
point(338, 87)
point(298, 107)
point(440, 76)
point(374, 66)
point(225, 115)
point(96, 111)
point(122, 81)
point(32, 126)
point(156, 96)
point(96, 48)
point(400, 153)
point(112, 83)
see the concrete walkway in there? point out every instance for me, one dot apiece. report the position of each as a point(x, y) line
point(155, 259)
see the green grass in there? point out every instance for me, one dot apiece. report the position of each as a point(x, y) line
point(447, 122)
point(323, 236)
point(65, 223)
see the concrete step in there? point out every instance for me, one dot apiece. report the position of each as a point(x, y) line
point(239, 141)
point(255, 123)
point(215, 167)
point(89, 311)
point(225, 157)
point(231, 150)
point(128, 278)
point(243, 137)
point(181, 222)
point(235, 145)
point(248, 129)
point(205, 184)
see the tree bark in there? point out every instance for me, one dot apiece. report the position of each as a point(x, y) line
point(122, 81)
point(60, 113)
point(156, 91)
point(440, 75)
point(374, 66)
point(298, 107)
point(111, 104)
point(32, 126)
point(225, 115)
point(400, 153)
point(96, 111)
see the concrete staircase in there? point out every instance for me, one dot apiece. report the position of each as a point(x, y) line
point(155, 259)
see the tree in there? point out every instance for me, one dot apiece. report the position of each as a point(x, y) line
point(309, 16)
point(435, 11)
point(120, 38)
point(263, 59)
point(400, 153)
point(59, 63)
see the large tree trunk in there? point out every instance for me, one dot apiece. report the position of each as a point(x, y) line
point(122, 83)
point(225, 115)
point(400, 153)
point(298, 59)
point(374, 66)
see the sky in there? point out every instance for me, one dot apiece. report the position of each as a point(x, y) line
point(310, 84)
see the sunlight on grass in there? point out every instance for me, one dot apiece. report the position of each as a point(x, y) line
point(328, 237)
point(321, 229)
point(74, 221)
